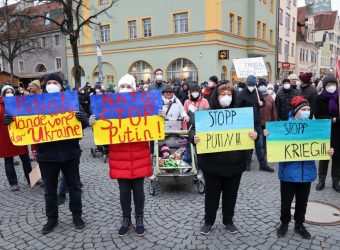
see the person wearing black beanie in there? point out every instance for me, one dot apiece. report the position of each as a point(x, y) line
point(283, 100)
point(213, 81)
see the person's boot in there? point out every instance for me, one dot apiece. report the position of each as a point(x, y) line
point(78, 222)
point(321, 184)
point(14, 188)
point(282, 230)
point(140, 226)
point(336, 185)
point(301, 230)
point(49, 226)
point(126, 226)
point(267, 169)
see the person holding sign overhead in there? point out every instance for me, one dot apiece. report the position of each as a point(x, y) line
point(327, 107)
point(222, 171)
point(296, 178)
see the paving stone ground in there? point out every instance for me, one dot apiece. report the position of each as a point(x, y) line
point(172, 217)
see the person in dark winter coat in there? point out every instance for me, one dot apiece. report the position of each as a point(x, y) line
point(327, 107)
point(222, 171)
point(283, 100)
point(7, 149)
point(250, 97)
point(296, 178)
point(213, 81)
point(308, 91)
point(159, 82)
point(183, 92)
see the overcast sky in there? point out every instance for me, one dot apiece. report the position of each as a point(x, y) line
point(335, 4)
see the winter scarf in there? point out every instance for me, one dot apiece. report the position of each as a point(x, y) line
point(333, 102)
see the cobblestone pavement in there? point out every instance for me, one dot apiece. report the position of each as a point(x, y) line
point(172, 217)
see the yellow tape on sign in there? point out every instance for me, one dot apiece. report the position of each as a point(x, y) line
point(27, 130)
point(134, 129)
point(221, 141)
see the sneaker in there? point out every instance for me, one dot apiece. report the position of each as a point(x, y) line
point(140, 226)
point(267, 169)
point(78, 222)
point(126, 226)
point(282, 230)
point(231, 228)
point(48, 227)
point(301, 230)
point(205, 230)
point(61, 199)
point(14, 188)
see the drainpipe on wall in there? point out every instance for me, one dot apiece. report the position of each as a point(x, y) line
point(277, 40)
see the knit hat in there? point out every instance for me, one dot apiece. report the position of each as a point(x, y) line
point(327, 79)
point(5, 87)
point(297, 103)
point(195, 88)
point(97, 86)
point(251, 80)
point(241, 85)
point(54, 76)
point(168, 88)
point(182, 142)
point(110, 85)
point(34, 84)
point(165, 148)
point(129, 80)
point(293, 77)
point(214, 79)
point(262, 82)
point(306, 77)
point(285, 80)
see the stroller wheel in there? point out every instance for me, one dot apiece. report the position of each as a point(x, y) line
point(200, 187)
point(152, 187)
point(93, 153)
point(105, 158)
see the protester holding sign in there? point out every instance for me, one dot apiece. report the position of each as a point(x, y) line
point(129, 163)
point(222, 171)
point(7, 149)
point(327, 107)
point(296, 178)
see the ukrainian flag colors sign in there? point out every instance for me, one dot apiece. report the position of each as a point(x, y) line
point(301, 140)
point(223, 130)
point(127, 117)
point(43, 118)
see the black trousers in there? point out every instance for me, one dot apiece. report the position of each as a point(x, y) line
point(323, 169)
point(50, 172)
point(125, 188)
point(10, 169)
point(301, 192)
point(215, 185)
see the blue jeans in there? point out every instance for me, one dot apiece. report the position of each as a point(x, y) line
point(259, 148)
point(10, 170)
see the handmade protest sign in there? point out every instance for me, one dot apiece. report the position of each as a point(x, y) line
point(223, 130)
point(250, 66)
point(43, 118)
point(127, 117)
point(295, 140)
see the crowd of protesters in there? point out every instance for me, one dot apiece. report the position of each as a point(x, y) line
point(294, 98)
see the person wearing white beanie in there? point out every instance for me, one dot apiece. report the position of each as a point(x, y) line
point(5, 88)
point(127, 84)
point(270, 90)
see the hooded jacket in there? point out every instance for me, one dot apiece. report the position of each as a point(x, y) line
point(223, 164)
point(282, 102)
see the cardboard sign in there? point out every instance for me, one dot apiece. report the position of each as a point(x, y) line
point(224, 130)
point(250, 66)
point(127, 117)
point(298, 140)
point(35, 176)
point(43, 118)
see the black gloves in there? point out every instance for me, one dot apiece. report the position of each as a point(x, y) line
point(80, 116)
point(8, 119)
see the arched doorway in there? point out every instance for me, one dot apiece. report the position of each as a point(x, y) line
point(82, 78)
point(109, 74)
point(269, 71)
point(233, 75)
point(40, 68)
point(224, 73)
point(141, 70)
point(181, 69)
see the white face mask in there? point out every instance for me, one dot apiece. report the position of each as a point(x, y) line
point(195, 94)
point(97, 90)
point(210, 84)
point(125, 90)
point(225, 100)
point(286, 86)
point(270, 91)
point(9, 94)
point(331, 89)
point(251, 88)
point(52, 88)
point(159, 77)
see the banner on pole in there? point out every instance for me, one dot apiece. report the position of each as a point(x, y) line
point(245, 67)
point(318, 6)
point(298, 140)
point(127, 117)
point(43, 118)
point(224, 130)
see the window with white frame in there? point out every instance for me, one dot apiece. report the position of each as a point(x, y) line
point(293, 24)
point(293, 50)
point(132, 28)
point(239, 26)
point(43, 42)
point(147, 27)
point(58, 63)
point(56, 39)
point(280, 45)
point(288, 4)
point(271, 37)
point(286, 51)
point(21, 66)
point(181, 22)
point(281, 16)
point(105, 33)
point(47, 21)
point(231, 23)
point(287, 24)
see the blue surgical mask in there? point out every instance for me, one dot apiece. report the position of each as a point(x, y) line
point(262, 88)
point(304, 115)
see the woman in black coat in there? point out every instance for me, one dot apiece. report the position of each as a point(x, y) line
point(222, 171)
point(327, 107)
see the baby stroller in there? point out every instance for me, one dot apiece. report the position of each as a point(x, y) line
point(174, 159)
point(101, 149)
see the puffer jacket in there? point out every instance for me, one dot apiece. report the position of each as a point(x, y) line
point(130, 160)
point(299, 171)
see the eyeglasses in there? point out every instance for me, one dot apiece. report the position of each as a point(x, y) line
point(270, 89)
